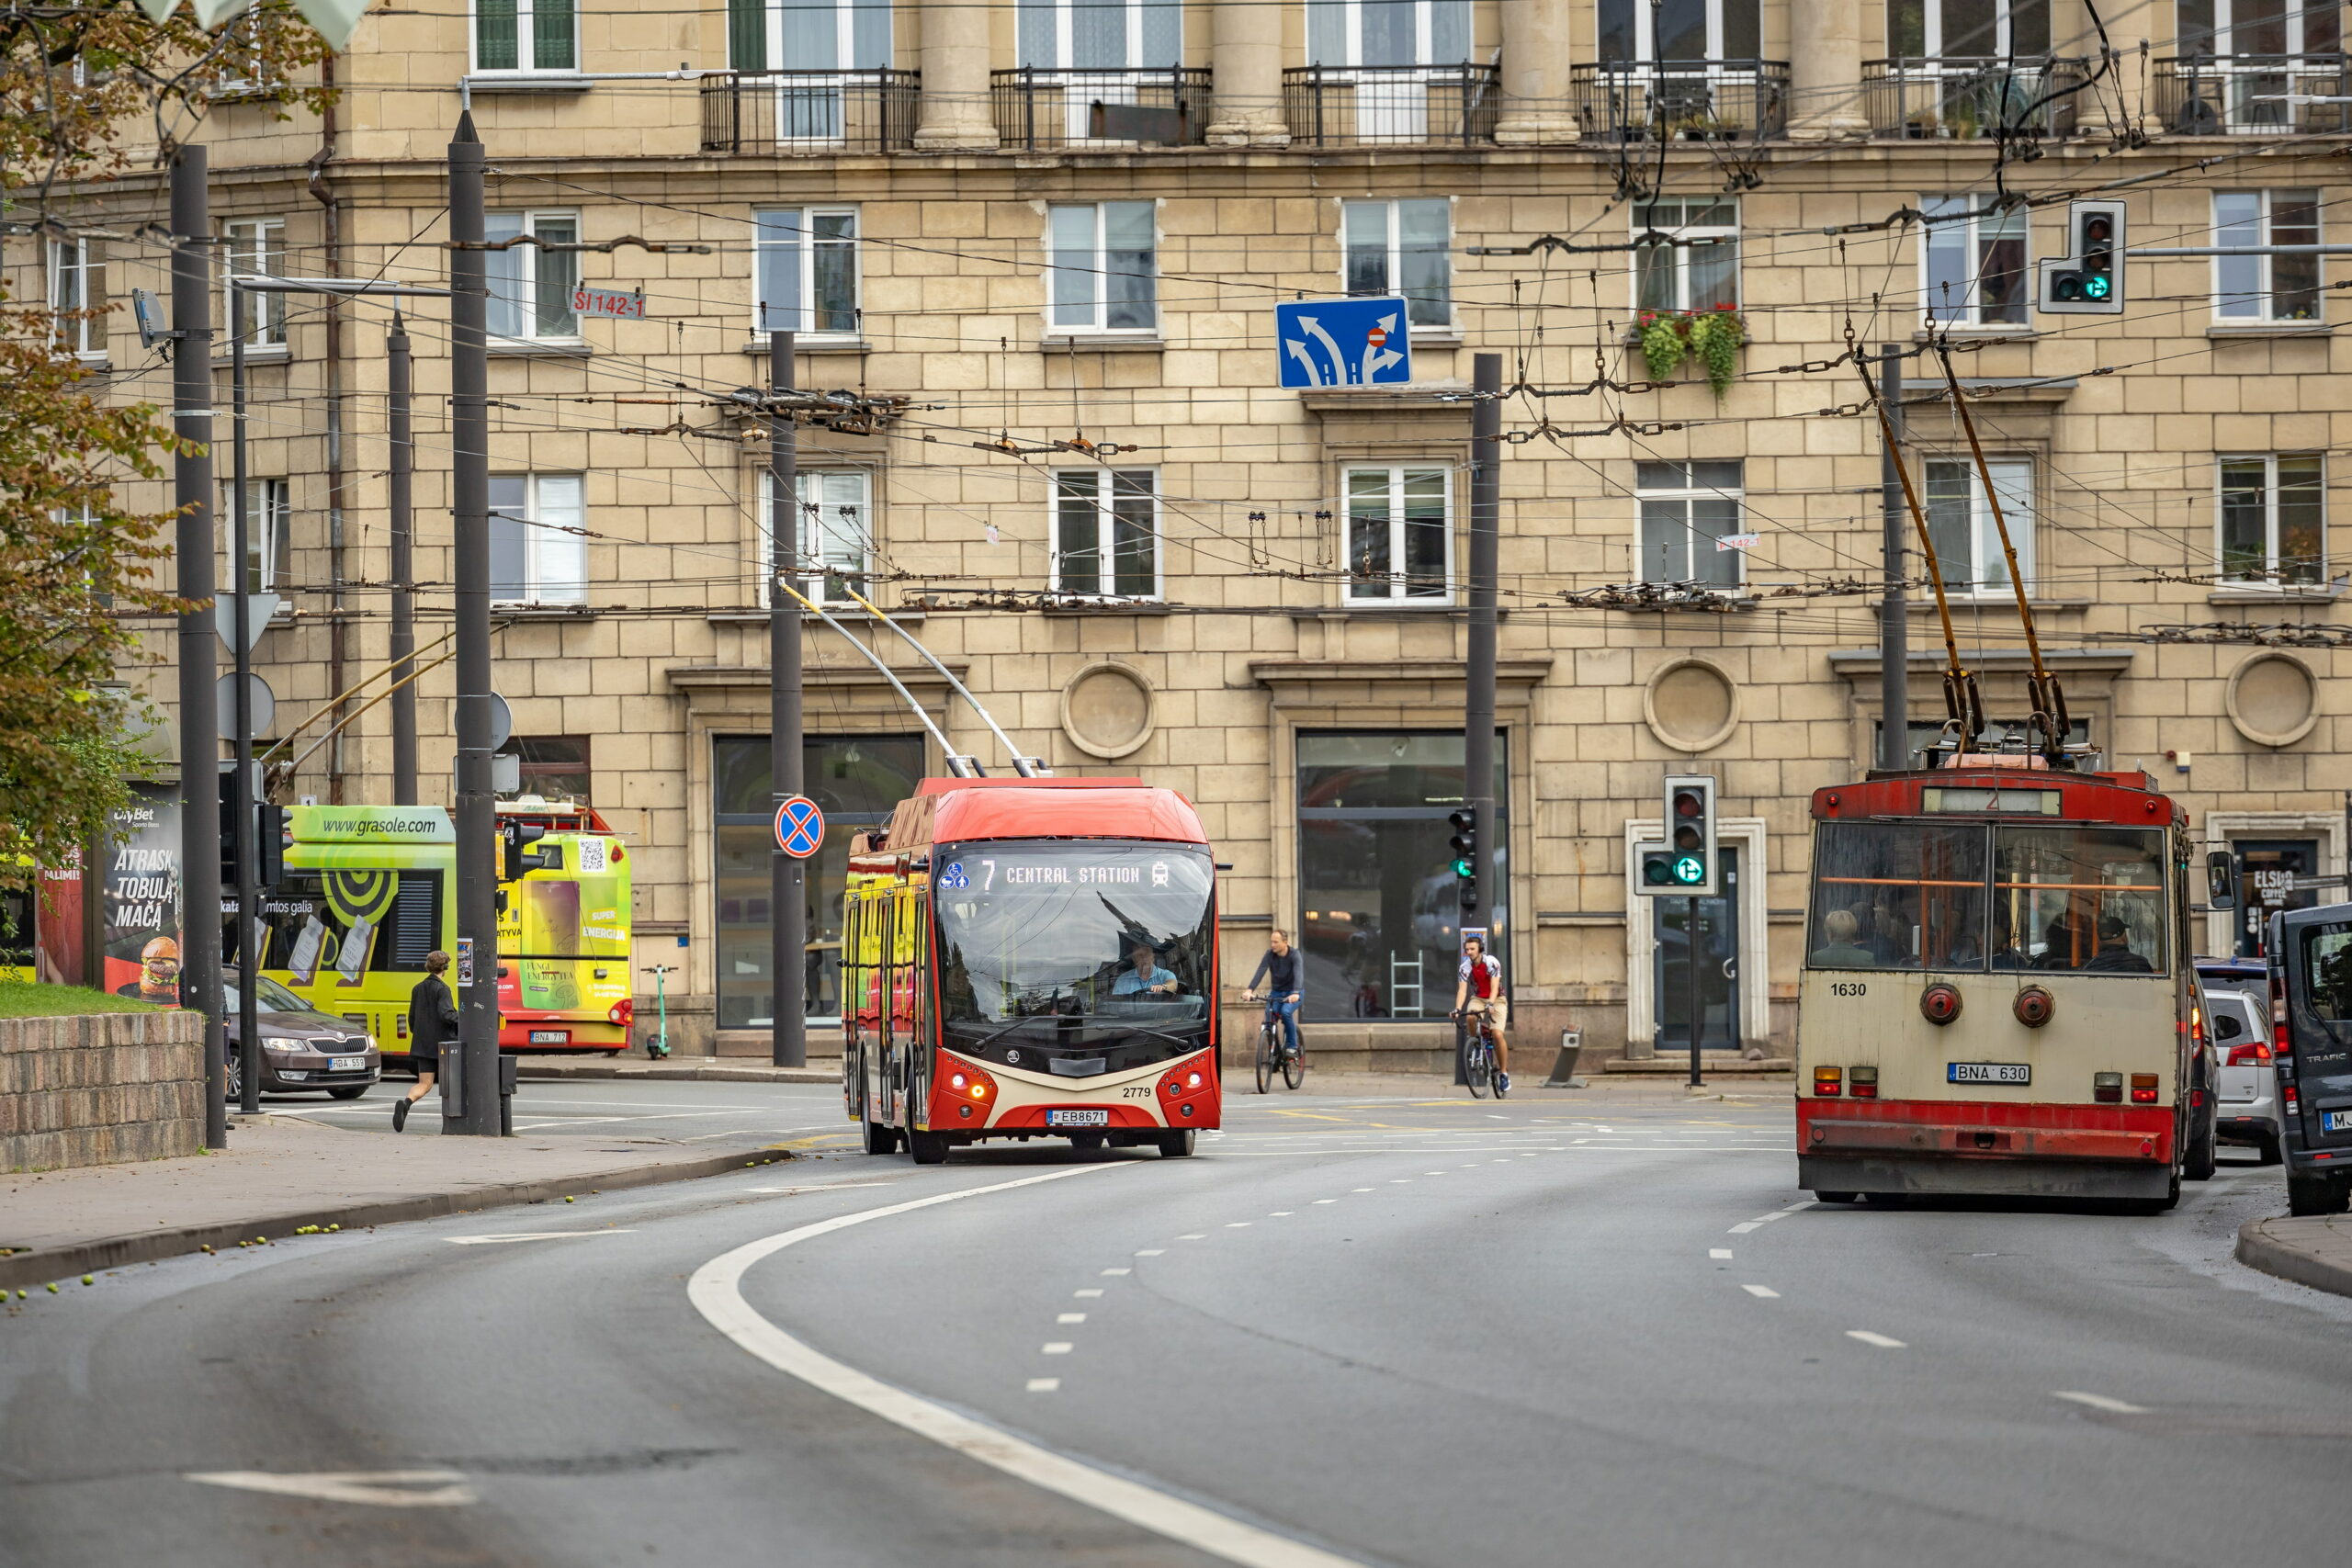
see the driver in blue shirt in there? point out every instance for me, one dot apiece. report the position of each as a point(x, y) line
point(1143, 977)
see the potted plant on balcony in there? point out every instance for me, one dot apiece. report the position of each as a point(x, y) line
point(1711, 336)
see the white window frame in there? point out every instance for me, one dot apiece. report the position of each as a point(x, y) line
point(1065, 37)
point(2225, 25)
point(795, 230)
point(1098, 274)
point(1645, 37)
point(1397, 594)
point(1972, 307)
point(2271, 577)
point(69, 269)
point(269, 521)
point(526, 42)
point(1680, 254)
point(1683, 495)
point(1351, 35)
point(845, 15)
point(1105, 584)
point(1393, 262)
point(526, 261)
point(1988, 569)
point(1931, 31)
point(847, 495)
point(256, 248)
point(2263, 300)
point(555, 562)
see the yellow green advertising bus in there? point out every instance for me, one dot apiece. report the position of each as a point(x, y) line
point(563, 935)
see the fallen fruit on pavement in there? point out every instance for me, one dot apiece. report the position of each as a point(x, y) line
point(53, 1287)
point(87, 1280)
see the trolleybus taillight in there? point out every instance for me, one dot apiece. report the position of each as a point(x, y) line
point(2143, 1088)
point(2108, 1088)
point(1826, 1080)
point(1865, 1082)
point(623, 1012)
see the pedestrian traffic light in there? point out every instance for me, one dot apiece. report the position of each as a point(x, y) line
point(269, 841)
point(2089, 279)
point(1464, 844)
point(1692, 865)
point(514, 859)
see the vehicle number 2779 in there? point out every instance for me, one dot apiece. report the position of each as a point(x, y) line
point(1849, 988)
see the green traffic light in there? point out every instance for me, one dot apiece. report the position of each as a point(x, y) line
point(1462, 868)
point(2097, 287)
point(1653, 870)
point(1689, 870)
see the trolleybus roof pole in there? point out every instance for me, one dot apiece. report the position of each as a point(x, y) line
point(961, 766)
point(1027, 767)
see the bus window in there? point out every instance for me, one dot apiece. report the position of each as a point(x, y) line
point(348, 923)
point(2088, 900)
point(1898, 895)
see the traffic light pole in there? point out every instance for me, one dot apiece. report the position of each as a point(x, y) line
point(1698, 1017)
point(1479, 710)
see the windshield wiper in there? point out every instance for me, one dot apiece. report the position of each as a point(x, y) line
point(1161, 1033)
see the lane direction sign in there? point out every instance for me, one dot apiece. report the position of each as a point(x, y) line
point(1344, 343)
point(799, 827)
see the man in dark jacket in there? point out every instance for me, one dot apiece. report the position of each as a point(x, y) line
point(431, 1022)
point(1285, 989)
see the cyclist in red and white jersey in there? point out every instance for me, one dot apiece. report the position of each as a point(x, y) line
point(1479, 988)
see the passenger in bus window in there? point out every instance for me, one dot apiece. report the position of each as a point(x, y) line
point(2005, 942)
point(2115, 955)
point(1891, 937)
point(1143, 976)
point(1844, 948)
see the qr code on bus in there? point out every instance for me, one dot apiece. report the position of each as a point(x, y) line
point(592, 855)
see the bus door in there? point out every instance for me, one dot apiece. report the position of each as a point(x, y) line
point(909, 1062)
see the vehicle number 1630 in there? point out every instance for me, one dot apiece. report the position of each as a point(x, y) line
point(1849, 988)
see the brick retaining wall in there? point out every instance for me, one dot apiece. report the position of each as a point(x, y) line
point(100, 1088)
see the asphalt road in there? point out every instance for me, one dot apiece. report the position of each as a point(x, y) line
point(1378, 1332)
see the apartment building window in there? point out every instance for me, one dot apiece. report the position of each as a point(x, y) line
point(1387, 32)
point(2265, 288)
point(836, 533)
point(2273, 519)
point(1400, 534)
point(1968, 30)
point(537, 555)
point(1960, 522)
point(1105, 266)
point(77, 283)
point(2260, 27)
point(805, 258)
point(553, 767)
point(269, 549)
point(1106, 532)
point(525, 36)
point(807, 35)
point(1680, 31)
point(530, 286)
point(257, 249)
point(1402, 247)
point(1685, 509)
point(1687, 278)
point(1974, 262)
point(1113, 35)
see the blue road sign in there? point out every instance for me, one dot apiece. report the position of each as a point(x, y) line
point(1344, 343)
point(799, 827)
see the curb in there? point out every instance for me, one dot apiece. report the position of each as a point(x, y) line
point(27, 1269)
point(2288, 1259)
point(676, 1071)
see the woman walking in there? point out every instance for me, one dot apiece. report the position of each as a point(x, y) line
point(432, 1019)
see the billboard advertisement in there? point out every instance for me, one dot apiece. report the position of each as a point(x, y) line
point(140, 892)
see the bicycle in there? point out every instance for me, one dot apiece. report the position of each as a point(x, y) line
point(1272, 1057)
point(1478, 1067)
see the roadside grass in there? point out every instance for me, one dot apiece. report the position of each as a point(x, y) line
point(21, 999)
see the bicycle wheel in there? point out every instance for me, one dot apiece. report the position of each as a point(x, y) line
point(1294, 1068)
point(1265, 1061)
point(1474, 1063)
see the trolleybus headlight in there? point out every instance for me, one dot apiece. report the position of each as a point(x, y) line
point(2108, 1088)
point(1940, 1003)
point(1827, 1080)
point(2143, 1088)
point(2034, 1007)
point(1865, 1082)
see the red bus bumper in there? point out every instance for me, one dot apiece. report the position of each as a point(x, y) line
point(1975, 1147)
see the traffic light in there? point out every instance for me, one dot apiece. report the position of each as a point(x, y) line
point(513, 860)
point(1692, 863)
point(2089, 279)
point(1464, 844)
point(1654, 869)
point(269, 842)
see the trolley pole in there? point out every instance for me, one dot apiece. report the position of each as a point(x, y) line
point(1894, 636)
point(1697, 1012)
point(787, 877)
point(476, 1111)
point(401, 477)
point(1478, 707)
point(241, 796)
point(200, 708)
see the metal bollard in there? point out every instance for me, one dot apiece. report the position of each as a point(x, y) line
point(507, 1066)
point(1564, 1066)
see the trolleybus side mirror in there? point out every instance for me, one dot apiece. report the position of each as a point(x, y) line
point(2221, 880)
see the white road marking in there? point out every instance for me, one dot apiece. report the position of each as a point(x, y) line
point(1280, 1214)
point(1069, 1317)
point(1722, 1252)
point(1798, 1208)
point(375, 1488)
point(1114, 1273)
point(1149, 1252)
point(1400, 1181)
point(1492, 1117)
point(1744, 1226)
point(716, 1290)
point(1881, 1340)
point(1765, 1292)
point(1043, 1385)
point(821, 1187)
point(1088, 1293)
point(495, 1240)
point(1054, 1348)
point(1433, 1173)
point(1196, 1236)
point(1364, 1189)
point(1238, 1225)
point(2100, 1402)
point(1321, 1200)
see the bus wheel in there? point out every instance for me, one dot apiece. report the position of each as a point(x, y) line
point(1178, 1141)
point(880, 1140)
point(1836, 1197)
point(927, 1148)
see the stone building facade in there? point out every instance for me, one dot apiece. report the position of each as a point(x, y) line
point(1057, 230)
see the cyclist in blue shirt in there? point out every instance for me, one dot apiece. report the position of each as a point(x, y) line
point(1285, 988)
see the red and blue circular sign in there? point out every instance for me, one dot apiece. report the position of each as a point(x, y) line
point(799, 827)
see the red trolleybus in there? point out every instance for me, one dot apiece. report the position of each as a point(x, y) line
point(1030, 958)
point(1997, 986)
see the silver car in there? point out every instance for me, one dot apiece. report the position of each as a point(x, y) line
point(2249, 1078)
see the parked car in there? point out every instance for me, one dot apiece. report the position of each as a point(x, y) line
point(2234, 995)
point(303, 1051)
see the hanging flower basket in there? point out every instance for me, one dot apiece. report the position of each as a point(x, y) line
point(1711, 337)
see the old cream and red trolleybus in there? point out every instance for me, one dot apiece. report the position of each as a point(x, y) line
point(1997, 989)
point(1032, 957)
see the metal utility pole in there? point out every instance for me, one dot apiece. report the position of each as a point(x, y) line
point(241, 783)
point(1698, 1003)
point(475, 1110)
point(1478, 707)
point(199, 714)
point(1893, 634)
point(402, 501)
point(787, 877)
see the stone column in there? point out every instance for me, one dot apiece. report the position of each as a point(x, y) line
point(1535, 110)
point(1246, 77)
point(1825, 72)
point(955, 115)
point(2134, 38)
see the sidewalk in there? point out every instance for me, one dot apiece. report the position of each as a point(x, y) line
point(282, 1173)
point(2316, 1251)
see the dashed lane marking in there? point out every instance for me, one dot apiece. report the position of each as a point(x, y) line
point(2100, 1402)
point(1055, 1347)
point(1069, 1317)
point(1764, 1293)
point(1088, 1293)
point(372, 1488)
point(1723, 1253)
point(1881, 1340)
point(1147, 1252)
point(1043, 1385)
point(1113, 1273)
point(1744, 1226)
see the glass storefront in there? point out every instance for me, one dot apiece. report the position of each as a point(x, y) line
point(857, 779)
point(1379, 910)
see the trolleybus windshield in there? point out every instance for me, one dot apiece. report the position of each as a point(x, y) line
point(1966, 896)
point(1078, 943)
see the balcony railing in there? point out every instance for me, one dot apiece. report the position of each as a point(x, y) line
point(1373, 105)
point(2253, 95)
point(1047, 110)
point(808, 111)
point(1967, 100)
point(1694, 100)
